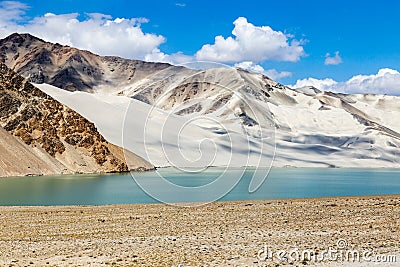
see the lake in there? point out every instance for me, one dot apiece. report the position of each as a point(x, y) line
point(123, 189)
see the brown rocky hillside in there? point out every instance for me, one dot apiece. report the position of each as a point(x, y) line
point(48, 127)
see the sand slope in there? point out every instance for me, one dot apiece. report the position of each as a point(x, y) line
point(363, 134)
point(17, 158)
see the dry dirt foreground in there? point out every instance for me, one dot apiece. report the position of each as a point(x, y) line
point(218, 234)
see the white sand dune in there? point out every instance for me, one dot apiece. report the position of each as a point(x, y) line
point(312, 129)
point(145, 134)
point(17, 158)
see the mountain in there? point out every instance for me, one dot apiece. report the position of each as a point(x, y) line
point(69, 68)
point(42, 136)
point(183, 116)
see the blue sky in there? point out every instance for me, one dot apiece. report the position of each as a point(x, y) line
point(364, 34)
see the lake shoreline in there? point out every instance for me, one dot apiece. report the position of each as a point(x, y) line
point(223, 233)
point(200, 204)
point(141, 170)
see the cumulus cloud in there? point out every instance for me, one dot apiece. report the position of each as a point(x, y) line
point(324, 84)
point(98, 33)
point(271, 73)
point(176, 58)
point(252, 43)
point(333, 60)
point(386, 81)
point(105, 35)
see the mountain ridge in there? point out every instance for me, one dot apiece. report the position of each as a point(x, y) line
point(64, 66)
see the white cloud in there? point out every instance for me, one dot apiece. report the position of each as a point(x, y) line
point(98, 33)
point(252, 43)
point(333, 60)
point(11, 11)
point(271, 73)
point(177, 58)
point(180, 4)
point(105, 35)
point(325, 84)
point(276, 75)
point(386, 81)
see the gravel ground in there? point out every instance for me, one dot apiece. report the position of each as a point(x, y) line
point(217, 234)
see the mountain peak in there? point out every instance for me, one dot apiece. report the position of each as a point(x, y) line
point(20, 38)
point(67, 67)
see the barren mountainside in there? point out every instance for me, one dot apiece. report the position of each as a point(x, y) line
point(69, 68)
point(54, 132)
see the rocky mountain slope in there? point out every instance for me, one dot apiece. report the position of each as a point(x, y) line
point(55, 139)
point(245, 118)
point(69, 68)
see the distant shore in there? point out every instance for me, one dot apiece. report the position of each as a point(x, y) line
point(218, 234)
point(140, 169)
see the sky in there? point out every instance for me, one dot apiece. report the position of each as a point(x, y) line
point(342, 46)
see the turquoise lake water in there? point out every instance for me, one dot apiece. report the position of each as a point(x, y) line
point(122, 188)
